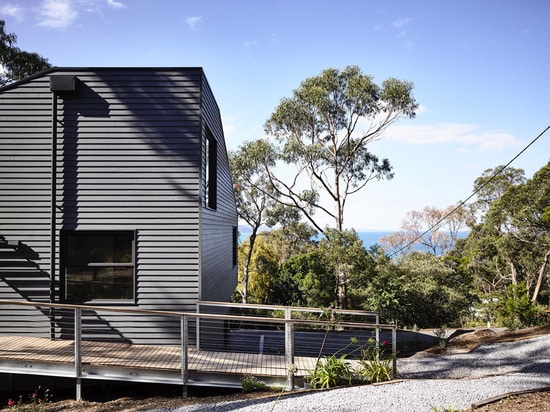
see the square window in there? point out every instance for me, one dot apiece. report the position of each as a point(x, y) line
point(98, 266)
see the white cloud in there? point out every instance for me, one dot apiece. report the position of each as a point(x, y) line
point(463, 135)
point(12, 10)
point(57, 14)
point(116, 4)
point(193, 21)
point(401, 23)
point(248, 44)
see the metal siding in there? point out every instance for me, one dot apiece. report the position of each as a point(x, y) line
point(219, 275)
point(128, 159)
point(25, 115)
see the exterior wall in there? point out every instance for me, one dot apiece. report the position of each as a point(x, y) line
point(129, 158)
point(25, 118)
point(219, 271)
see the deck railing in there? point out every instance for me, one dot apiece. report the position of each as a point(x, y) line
point(261, 329)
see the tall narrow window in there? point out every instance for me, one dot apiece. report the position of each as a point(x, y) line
point(235, 245)
point(211, 170)
point(98, 265)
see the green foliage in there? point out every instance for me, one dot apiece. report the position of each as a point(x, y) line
point(516, 309)
point(347, 259)
point(374, 366)
point(331, 371)
point(262, 269)
point(304, 281)
point(318, 134)
point(36, 401)
point(511, 244)
point(15, 63)
point(441, 334)
point(419, 290)
point(250, 383)
point(444, 409)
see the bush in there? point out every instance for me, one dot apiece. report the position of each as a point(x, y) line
point(516, 310)
point(331, 371)
point(250, 383)
point(374, 366)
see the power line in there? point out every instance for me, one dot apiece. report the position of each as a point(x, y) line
point(462, 203)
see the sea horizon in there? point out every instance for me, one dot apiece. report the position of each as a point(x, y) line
point(369, 237)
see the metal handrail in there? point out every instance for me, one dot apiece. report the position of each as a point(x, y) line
point(184, 319)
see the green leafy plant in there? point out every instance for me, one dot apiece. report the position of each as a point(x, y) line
point(331, 371)
point(36, 401)
point(250, 383)
point(374, 365)
point(441, 335)
point(443, 409)
point(373, 369)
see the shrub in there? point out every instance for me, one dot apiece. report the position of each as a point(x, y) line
point(331, 371)
point(250, 383)
point(374, 366)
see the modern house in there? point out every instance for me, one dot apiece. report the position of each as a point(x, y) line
point(115, 190)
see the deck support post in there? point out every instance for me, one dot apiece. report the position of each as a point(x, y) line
point(289, 349)
point(78, 351)
point(184, 353)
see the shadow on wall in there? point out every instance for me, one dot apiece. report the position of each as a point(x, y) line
point(21, 278)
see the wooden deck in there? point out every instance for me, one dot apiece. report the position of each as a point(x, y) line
point(142, 363)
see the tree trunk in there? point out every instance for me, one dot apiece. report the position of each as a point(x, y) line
point(246, 267)
point(342, 289)
point(541, 276)
point(513, 273)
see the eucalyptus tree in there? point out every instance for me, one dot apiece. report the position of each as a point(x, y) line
point(16, 64)
point(492, 184)
point(324, 132)
point(253, 195)
point(512, 242)
point(523, 213)
point(322, 137)
point(434, 230)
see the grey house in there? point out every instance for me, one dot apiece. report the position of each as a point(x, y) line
point(115, 190)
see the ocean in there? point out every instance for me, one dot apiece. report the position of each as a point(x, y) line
point(369, 238)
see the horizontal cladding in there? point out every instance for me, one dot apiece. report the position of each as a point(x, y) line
point(219, 274)
point(128, 159)
point(25, 192)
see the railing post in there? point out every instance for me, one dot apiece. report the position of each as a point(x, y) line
point(289, 349)
point(394, 349)
point(377, 331)
point(78, 351)
point(184, 354)
point(198, 327)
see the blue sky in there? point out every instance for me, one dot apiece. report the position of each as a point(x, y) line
point(480, 69)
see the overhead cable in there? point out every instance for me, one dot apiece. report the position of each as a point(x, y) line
point(463, 202)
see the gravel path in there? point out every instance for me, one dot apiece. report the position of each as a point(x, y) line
point(430, 382)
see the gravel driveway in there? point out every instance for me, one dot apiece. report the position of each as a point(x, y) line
point(429, 382)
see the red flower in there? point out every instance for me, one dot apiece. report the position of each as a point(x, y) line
point(11, 403)
point(384, 343)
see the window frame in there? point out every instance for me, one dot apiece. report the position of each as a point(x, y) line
point(210, 170)
point(65, 264)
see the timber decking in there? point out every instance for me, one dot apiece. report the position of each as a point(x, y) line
point(148, 357)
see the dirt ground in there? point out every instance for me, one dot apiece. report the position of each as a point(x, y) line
point(144, 397)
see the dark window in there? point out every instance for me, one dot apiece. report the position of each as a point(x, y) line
point(98, 265)
point(235, 245)
point(211, 170)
